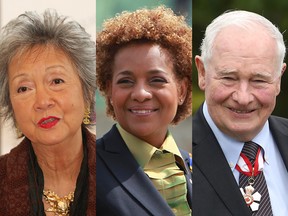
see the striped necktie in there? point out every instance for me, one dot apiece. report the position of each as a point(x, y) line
point(169, 180)
point(250, 150)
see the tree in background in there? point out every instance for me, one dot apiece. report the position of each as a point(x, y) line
point(204, 11)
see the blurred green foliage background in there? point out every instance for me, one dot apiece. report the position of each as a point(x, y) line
point(204, 11)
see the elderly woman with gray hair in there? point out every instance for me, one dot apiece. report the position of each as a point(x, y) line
point(47, 88)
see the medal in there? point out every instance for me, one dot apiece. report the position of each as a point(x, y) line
point(251, 197)
point(252, 200)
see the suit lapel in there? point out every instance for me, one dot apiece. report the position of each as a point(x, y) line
point(209, 158)
point(130, 175)
point(280, 134)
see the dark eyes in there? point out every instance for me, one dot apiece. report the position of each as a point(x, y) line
point(158, 80)
point(152, 81)
point(124, 81)
point(22, 89)
point(57, 81)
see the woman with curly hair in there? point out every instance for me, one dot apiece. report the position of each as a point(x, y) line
point(143, 69)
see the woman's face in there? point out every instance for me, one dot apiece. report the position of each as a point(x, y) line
point(46, 96)
point(144, 91)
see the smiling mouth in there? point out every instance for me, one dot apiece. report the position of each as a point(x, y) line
point(241, 111)
point(144, 111)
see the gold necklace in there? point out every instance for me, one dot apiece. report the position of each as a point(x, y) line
point(60, 206)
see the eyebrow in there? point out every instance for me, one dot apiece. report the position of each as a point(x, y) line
point(130, 73)
point(256, 74)
point(26, 75)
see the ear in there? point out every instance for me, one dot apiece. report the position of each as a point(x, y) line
point(182, 90)
point(109, 91)
point(201, 72)
point(279, 82)
point(283, 68)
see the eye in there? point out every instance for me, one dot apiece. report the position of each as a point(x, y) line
point(259, 81)
point(228, 78)
point(124, 81)
point(158, 80)
point(22, 89)
point(57, 81)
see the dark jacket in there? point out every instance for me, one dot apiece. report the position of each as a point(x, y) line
point(215, 190)
point(123, 188)
point(14, 184)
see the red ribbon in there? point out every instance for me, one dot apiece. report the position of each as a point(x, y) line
point(253, 171)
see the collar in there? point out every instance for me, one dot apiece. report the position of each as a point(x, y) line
point(231, 147)
point(143, 151)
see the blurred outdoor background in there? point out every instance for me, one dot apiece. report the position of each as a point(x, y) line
point(204, 11)
point(109, 8)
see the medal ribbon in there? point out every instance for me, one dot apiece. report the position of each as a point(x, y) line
point(245, 167)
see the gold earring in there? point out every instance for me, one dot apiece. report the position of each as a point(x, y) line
point(86, 119)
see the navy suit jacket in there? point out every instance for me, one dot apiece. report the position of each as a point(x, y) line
point(123, 188)
point(215, 190)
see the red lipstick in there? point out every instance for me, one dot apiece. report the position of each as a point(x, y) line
point(48, 122)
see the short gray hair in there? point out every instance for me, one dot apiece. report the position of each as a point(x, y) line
point(245, 20)
point(30, 29)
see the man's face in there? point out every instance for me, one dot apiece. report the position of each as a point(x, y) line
point(241, 81)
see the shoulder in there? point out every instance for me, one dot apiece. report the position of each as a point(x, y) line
point(13, 159)
point(111, 136)
point(278, 120)
point(3, 164)
point(277, 123)
point(20, 149)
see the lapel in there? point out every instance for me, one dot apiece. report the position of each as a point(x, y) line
point(124, 167)
point(211, 162)
point(188, 176)
point(279, 130)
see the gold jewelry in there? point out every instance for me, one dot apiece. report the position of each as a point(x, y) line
point(59, 205)
point(86, 119)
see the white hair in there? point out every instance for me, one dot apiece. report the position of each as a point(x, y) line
point(243, 19)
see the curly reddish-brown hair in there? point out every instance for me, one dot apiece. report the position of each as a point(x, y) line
point(159, 26)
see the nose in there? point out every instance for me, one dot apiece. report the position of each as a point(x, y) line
point(43, 99)
point(141, 93)
point(243, 95)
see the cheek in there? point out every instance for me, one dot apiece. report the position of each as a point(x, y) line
point(21, 109)
point(217, 93)
point(118, 98)
point(267, 97)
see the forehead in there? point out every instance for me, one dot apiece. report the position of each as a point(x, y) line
point(245, 41)
point(238, 47)
point(34, 53)
point(144, 48)
point(142, 55)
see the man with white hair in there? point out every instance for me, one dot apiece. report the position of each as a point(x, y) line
point(240, 151)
